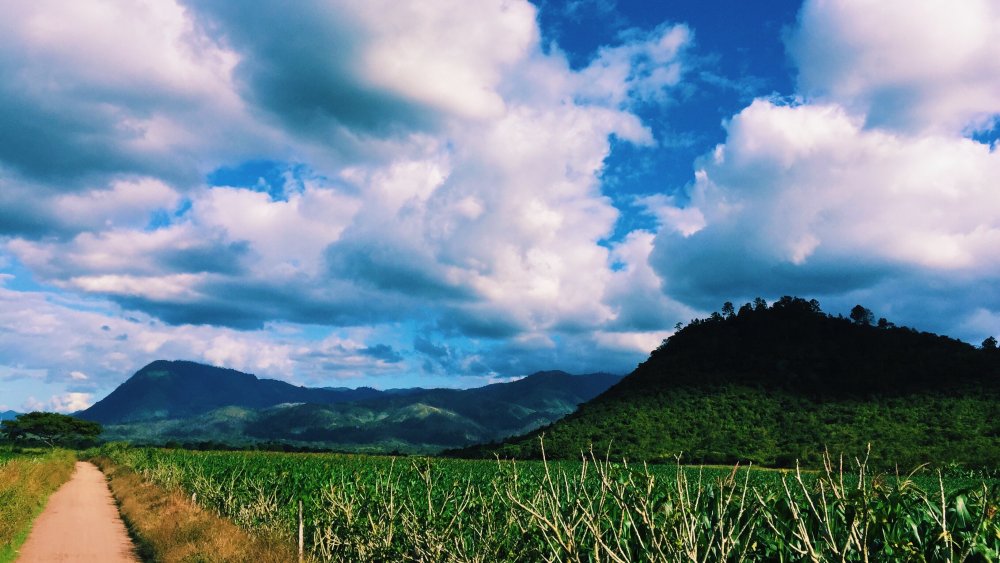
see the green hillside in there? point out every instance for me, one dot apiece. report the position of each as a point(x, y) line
point(166, 390)
point(777, 384)
point(411, 420)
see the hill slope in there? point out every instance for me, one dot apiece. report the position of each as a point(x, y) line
point(189, 402)
point(436, 418)
point(775, 385)
point(171, 390)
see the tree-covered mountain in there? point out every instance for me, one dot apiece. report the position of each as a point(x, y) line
point(179, 389)
point(8, 415)
point(188, 402)
point(436, 418)
point(778, 384)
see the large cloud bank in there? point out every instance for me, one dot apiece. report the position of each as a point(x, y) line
point(437, 187)
point(865, 186)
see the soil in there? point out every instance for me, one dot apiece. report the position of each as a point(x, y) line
point(80, 523)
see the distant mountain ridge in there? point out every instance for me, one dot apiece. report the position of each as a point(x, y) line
point(777, 384)
point(181, 389)
point(190, 402)
point(437, 417)
point(9, 415)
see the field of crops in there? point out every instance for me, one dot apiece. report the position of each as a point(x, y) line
point(363, 508)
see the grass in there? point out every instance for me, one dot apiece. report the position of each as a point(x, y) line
point(167, 526)
point(361, 508)
point(26, 481)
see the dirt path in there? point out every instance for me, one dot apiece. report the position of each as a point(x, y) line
point(80, 523)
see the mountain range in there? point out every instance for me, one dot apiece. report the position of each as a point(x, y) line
point(178, 401)
point(8, 415)
point(779, 385)
point(772, 385)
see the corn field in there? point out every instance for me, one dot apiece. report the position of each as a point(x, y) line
point(364, 508)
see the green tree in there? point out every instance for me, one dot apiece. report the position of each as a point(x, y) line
point(990, 343)
point(51, 428)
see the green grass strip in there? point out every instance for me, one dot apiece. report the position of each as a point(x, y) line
point(26, 482)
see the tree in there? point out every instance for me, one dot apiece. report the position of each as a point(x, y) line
point(862, 316)
point(51, 428)
point(728, 310)
point(990, 343)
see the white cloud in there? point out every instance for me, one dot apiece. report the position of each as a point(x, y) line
point(498, 213)
point(286, 236)
point(642, 69)
point(807, 189)
point(863, 188)
point(114, 86)
point(635, 295)
point(127, 203)
point(43, 330)
point(932, 65)
point(452, 179)
point(634, 341)
point(70, 402)
point(459, 71)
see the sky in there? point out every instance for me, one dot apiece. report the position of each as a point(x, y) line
point(453, 192)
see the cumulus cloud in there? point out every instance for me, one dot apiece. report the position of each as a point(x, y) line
point(33, 210)
point(97, 347)
point(487, 219)
point(106, 87)
point(862, 188)
point(925, 66)
point(70, 402)
point(803, 199)
point(443, 172)
point(373, 68)
point(642, 69)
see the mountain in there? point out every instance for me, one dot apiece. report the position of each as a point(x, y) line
point(777, 384)
point(8, 415)
point(189, 402)
point(436, 418)
point(172, 390)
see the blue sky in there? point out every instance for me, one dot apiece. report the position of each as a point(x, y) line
point(448, 193)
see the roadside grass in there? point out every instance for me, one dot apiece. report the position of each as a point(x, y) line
point(26, 481)
point(167, 526)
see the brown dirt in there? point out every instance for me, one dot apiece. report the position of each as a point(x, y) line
point(172, 529)
point(79, 523)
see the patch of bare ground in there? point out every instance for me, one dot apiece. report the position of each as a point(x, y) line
point(79, 523)
point(169, 527)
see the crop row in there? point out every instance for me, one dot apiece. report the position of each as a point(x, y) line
point(365, 508)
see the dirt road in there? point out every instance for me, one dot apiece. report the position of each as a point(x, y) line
point(80, 523)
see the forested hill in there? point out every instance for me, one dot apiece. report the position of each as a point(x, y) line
point(190, 403)
point(777, 384)
point(179, 389)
